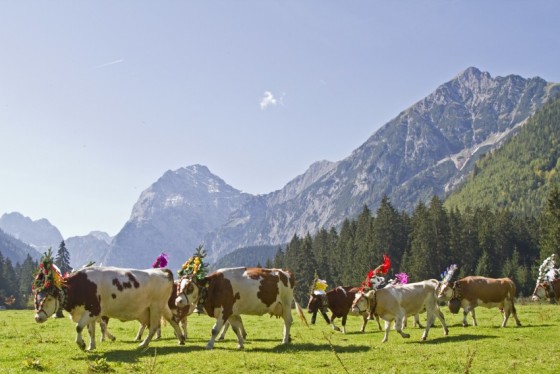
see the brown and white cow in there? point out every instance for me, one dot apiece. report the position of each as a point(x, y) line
point(228, 293)
point(398, 302)
point(547, 290)
point(93, 292)
point(339, 301)
point(475, 291)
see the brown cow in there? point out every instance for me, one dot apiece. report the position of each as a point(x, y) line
point(228, 293)
point(475, 291)
point(339, 302)
point(547, 290)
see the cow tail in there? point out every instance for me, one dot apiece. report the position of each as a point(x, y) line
point(300, 313)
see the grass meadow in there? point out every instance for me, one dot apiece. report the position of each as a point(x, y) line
point(26, 346)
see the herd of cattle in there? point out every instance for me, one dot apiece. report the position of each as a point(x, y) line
point(96, 294)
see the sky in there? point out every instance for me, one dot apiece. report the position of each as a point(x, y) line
point(98, 99)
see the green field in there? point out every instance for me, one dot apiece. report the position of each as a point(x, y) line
point(26, 346)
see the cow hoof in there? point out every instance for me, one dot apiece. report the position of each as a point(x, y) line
point(406, 336)
point(82, 345)
point(335, 328)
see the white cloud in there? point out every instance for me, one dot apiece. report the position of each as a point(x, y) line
point(110, 63)
point(268, 99)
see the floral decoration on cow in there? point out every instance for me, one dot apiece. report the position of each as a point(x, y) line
point(195, 266)
point(161, 261)
point(48, 277)
point(448, 273)
point(381, 269)
point(548, 270)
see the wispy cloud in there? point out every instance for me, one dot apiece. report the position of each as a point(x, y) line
point(110, 63)
point(269, 99)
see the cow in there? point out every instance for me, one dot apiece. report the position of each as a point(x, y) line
point(473, 291)
point(547, 290)
point(228, 293)
point(548, 281)
point(339, 301)
point(92, 293)
point(398, 302)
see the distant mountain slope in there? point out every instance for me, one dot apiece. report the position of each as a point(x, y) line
point(247, 257)
point(426, 150)
point(40, 234)
point(521, 174)
point(15, 249)
point(173, 216)
point(91, 247)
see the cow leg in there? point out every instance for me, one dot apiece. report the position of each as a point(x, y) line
point(215, 331)
point(168, 316)
point(236, 325)
point(83, 322)
point(344, 324)
point(140, 332)
point(314, 317)
point(184, 327)
point(417, 321)
point(378, 324)
point(514, 312)
point(465, 313)
point(474, 323)
point(399, 323)
point(364, 322)
point(91, 330)
point(334, 327)
point(441, 318)
point(429, 322)
point(325, 316)
point(288, 319)
point(387, 328)
point(154, 322)
point(224, 330)
point(103, 326)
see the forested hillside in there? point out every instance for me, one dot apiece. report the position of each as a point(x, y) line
point(520, 175)
point(423, 244)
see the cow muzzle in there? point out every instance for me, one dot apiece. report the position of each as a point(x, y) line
point(41, 316)
point(181, 301)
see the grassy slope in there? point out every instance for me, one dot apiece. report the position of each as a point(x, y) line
point(27, 347)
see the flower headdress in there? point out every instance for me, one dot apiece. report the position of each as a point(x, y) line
point(47, 277)
point(195, 266)
point(401, 278)
point(448, 274)
point(548, 270)
point(161, 261)
point(381, 269)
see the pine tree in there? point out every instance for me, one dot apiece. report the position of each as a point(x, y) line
point(25, 279)
point(62, 259)
point(389, 234)
point(483, 265)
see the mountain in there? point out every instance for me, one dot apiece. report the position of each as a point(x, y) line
point(522, 173)
point(249, 257)
point(15, 249)
point(428, 149)
point(39, 234)
point(91, 247)
point(173, 215)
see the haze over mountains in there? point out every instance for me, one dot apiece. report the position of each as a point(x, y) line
point(426, 150)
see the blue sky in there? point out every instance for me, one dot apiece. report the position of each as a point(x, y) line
point(99, 98)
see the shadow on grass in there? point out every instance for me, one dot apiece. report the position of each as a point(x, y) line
point(310, 347)
point(453, 339)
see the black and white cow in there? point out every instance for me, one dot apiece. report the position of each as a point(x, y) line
point(126, 294)
point(228, 293)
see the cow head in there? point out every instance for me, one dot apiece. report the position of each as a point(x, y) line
point(188, 293)
point(363, 302)
point(444, 291)
point(541, 291)
point(46, 304)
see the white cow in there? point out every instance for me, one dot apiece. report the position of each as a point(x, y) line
point(126, 294)
point(397, 303)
